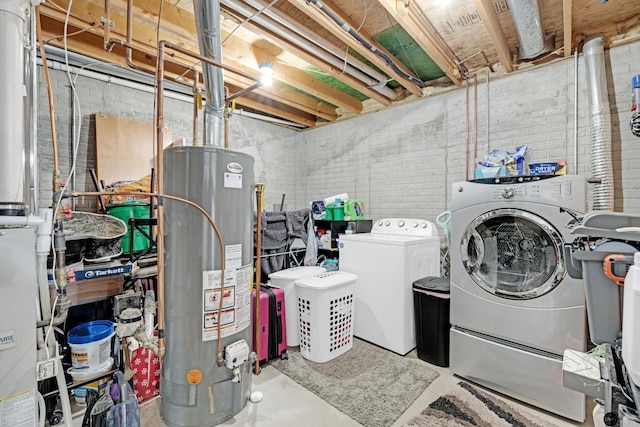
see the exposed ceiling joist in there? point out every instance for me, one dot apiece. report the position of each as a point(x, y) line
point(322, 19)
point(414, 25)
point(567, 27)
point(333, 71)
point(322, 74)
point(490, 18)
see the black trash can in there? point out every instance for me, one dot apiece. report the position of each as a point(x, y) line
point(431, 305)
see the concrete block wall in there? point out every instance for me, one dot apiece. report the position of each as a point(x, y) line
point(274, 148)
point(402, 161)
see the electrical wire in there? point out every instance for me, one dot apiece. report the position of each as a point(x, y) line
point(395, 32)
point(61, 36)
point(249, 19)
point(346, 52)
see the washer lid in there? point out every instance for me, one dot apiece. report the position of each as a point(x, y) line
point(387, 239)
point(327, 280)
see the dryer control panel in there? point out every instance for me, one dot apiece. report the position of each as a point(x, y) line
point(405, 227)
point(567, 191)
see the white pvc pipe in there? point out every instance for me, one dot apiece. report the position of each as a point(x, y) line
point(12, 165)
point(323, 44)
point(42, 410)
point(64, 395)
point(278, 29)
point(58, 66)
point(31, 220)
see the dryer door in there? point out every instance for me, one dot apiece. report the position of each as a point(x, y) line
point(513, 254)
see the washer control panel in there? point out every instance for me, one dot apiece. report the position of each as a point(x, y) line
point(405, 227)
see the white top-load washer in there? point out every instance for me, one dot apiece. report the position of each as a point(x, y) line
point(388, 260)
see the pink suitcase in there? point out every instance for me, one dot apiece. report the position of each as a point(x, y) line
point(272, 324)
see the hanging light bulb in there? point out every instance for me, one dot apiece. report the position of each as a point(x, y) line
point(266, 71)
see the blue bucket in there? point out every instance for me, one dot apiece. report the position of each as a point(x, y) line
point(91, 343)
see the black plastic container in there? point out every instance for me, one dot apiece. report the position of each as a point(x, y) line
point(431, 305)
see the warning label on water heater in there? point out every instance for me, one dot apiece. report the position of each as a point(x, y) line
point(235, 296)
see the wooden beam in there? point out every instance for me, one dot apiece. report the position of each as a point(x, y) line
point(91, 45)
point(91, 12)
point(490, 17)
point(334, 72)
point(251, 101)
point(288, 97)
point(414, 24)
point(240, 52)
point(567, 26)
point(317, 15)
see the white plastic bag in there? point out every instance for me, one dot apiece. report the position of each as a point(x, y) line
point(311, 254)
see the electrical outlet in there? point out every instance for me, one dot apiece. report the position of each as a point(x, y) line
point(46, 369)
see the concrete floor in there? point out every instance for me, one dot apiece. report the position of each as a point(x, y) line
point(286, 403)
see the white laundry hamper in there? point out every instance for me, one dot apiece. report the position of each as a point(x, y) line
point(285, 280)
point(326, 303)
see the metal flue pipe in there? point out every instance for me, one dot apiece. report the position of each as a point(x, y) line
point(600, 116)
point(207, 15)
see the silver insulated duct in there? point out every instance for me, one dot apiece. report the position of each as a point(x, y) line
point(207, 13)
point(197, 391)
point(600, 117)
point(527, 18)
point(12, 139)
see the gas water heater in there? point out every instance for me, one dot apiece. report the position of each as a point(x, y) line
point(196, 390)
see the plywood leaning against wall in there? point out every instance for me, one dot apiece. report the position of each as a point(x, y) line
point(124, 148)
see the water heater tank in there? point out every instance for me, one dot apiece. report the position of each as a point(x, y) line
point(195, 390)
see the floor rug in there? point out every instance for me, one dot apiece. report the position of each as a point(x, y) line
point(371, 385)
point(467, 406)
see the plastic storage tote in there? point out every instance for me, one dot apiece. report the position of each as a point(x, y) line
point(326, 312)
point(285, 280)
point(431, 305)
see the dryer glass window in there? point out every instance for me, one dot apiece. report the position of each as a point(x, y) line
point(513, 254)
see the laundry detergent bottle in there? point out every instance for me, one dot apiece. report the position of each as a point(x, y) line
point(631, 321)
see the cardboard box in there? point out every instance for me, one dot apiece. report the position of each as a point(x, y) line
point(548, 168)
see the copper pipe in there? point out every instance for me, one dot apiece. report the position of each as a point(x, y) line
point(107, 22)
point(129, 51)
point(227, 115)
point(256, 326)
point(54, 139)
point(186, 52)
point(475, 119)
point(196, 105)
point(466, 165)
point(160, 182)
point(159, 195)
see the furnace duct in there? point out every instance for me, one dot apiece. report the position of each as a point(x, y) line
point(527, 18)
point(207, 15)
point(600, 116)
point(12, 134)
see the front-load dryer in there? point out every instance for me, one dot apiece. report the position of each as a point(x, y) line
point(514, 308)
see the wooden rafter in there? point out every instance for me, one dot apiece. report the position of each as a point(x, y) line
point(290, 46)
point(322, 19)
point(491, 23)
point(567, 27)
point(425, 36)
point(91, 12)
